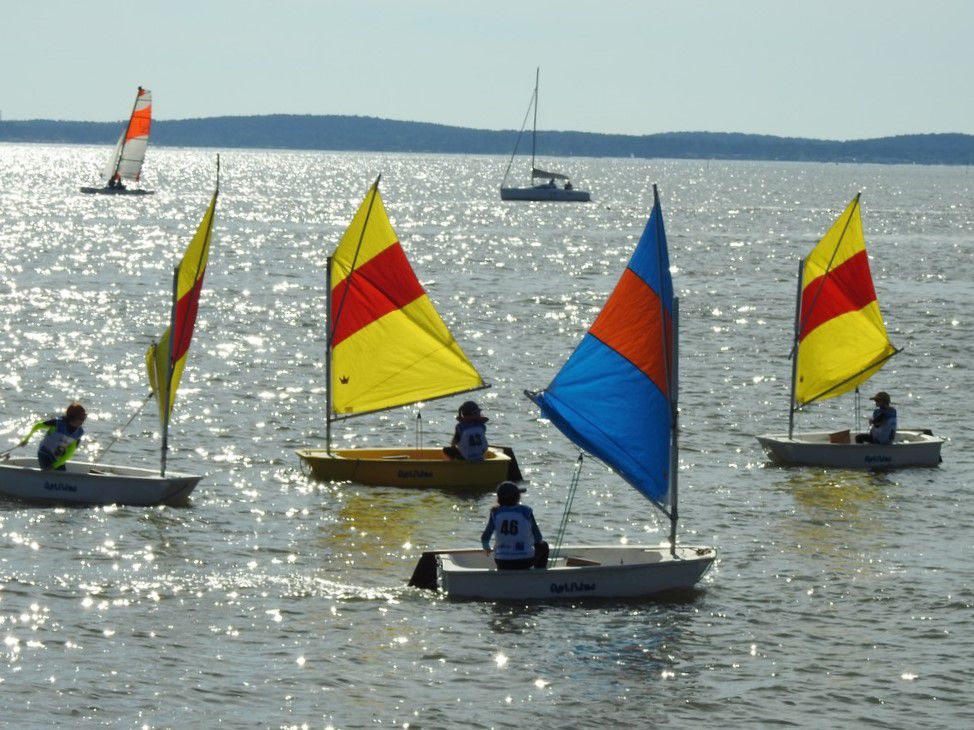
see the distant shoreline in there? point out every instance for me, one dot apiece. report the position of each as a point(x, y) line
point(371, 134)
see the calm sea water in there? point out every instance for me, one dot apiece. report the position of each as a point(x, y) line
point(840, 598)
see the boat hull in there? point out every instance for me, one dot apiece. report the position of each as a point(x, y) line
point(911, 448)
point(580, 572)
point(546, 194)
point(415, 468)
point(116, 191)
point(85, 483)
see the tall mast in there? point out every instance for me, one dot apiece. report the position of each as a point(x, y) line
point(328, 332)
point(674, 420)
point(118, 160)
point(534, 131)
point(168, 404)
point(794, 349)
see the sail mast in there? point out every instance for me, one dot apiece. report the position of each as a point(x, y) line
point(118, 160)
point(675, 429)
point(169, 364)
point(534, 131)
point(328, 331)
point(794, 349)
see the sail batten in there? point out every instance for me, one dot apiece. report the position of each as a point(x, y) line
point(842, 340)
point(388, 345)
point(613, 397)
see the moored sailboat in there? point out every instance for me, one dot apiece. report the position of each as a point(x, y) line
point(387, 347)
point(125, 162)
point(621, 381)
point(95, 483)
point(546, 191)
point(840, 342)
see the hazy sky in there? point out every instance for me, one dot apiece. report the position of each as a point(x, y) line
point(822, 68)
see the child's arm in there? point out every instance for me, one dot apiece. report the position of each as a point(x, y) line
point(488, 532)
point(37, 426)
point(66, 456)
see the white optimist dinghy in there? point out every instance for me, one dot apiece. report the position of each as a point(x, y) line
point(89, 483)
point(840, 341)
point(620, 383)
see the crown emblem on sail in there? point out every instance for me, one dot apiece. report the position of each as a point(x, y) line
point(343, 380)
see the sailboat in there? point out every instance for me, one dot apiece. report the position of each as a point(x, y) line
point(840, 342)
point(96, 483)
point(615, 398)
point(388, 347)
point(126, 159)
point(549, 189)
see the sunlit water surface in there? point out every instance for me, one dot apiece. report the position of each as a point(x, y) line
point(840, 598)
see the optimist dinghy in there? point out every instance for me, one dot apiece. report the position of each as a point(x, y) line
point(126, 160)
point(616, 398)
point(388, 347)
point(840, 342)
point(88, 483)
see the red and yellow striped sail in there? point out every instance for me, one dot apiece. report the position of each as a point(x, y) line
point(166, 358)
point(388, 345)
point(842, 341)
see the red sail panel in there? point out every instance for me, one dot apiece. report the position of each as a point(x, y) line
point(846, 288)
point(385, 283)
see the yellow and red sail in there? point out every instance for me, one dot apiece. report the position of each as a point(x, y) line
point(842, 340)
point(166, 358)
point(388, 345)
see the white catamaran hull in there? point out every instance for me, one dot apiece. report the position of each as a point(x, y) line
point(550, 194)
point(600, 571)
point(116, 191)
point(911, 448)
point(86, 483)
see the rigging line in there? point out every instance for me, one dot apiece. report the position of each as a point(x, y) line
point(560, 535)
point(122, 430)
point(351, 271)
point(828, 270)
point(518, 141)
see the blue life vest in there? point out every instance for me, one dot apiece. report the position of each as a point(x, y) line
point(513, 532)
point(59, 437)
point(883, 429)
point(471, 439)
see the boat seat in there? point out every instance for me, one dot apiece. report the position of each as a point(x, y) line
point(396, 457)
point(573, 562)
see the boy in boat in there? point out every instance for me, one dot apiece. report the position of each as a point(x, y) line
point(882, 424)
point(469, 441)
point(61, 438)
point(518, 544)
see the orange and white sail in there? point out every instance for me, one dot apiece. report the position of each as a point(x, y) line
point(129, 154)
point(166, 358)
point(387, 343)
point(842, 340)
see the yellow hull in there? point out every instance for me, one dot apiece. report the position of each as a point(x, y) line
point(392, 467)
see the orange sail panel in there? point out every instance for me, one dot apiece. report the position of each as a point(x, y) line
point(166, 359)
point(842, 340)
point(387, 343)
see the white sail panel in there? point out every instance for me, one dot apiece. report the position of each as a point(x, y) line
point(109, 172)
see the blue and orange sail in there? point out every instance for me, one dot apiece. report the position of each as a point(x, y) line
point(388, 345)
point(615, 396)
point(842, 340)
point(166, 359)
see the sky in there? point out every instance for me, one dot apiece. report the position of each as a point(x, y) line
point(822, 69)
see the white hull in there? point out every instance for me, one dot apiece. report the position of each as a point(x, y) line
point(116, 191)
point(911, 448)
point(85, 483)
point(550, 194)
point(600, 571)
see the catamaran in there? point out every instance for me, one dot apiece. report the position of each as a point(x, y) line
point(840, 342)
point(387, 347)
point(616, 398)
point(96, 483)
point(126, 160)
point(549, 189)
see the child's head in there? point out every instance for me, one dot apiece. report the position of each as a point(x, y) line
point(75, 414)
point(508, 494)
point(469, 409)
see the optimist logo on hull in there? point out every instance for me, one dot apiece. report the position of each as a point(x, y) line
point(59, 487)
point(879, 459)
point(572, 587)
point(414, 474)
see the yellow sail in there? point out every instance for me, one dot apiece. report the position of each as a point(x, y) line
point(163, 361)
point(842, 340)
point(388, 345)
